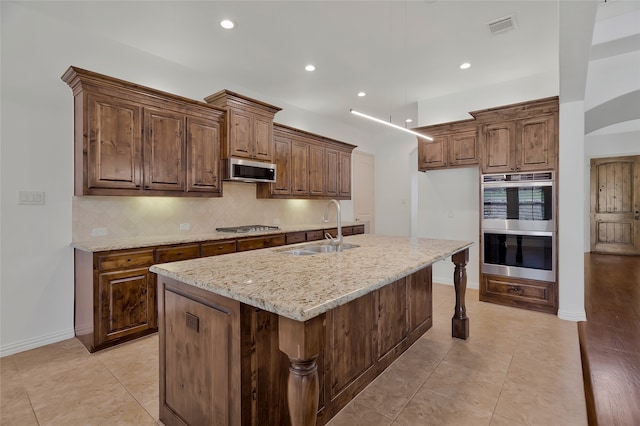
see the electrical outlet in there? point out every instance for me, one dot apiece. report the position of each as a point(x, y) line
point(185, 226)
point(98, 232)
point(31, 198)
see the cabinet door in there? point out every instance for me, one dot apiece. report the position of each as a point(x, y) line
point(299, 168)
point(114, 148)
point(282, 157)
point(432, 154)
point(463, 149)
point(164, 147)
point(344, 175)
point(262, 138)
point(126, 303)
point(498, 142)
point(419, 300)
point(316, 170)
point(331, 173)
point(392, 316)
point(537, 146)
point(203, 155)
point(240, 138)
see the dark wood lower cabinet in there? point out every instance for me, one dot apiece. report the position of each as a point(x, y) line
point(359, 341)
point(535, 295)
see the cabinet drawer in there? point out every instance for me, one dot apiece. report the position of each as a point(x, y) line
point(528, 291)
point(295, 237)
point(260, 242)
point(528, 294)
point(347, 230)
point(358, 229)
point(315, 235)
point(220, 247)
point(182, 252)
point(125, 260)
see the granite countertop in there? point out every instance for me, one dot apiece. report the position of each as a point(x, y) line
point(106, 244)
point(302, 287)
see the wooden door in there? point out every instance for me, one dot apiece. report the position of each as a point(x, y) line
point(203, 155)
point(331, 174)
point(615, 205)
point(364, 189)
point(316, 170)
point(164, 150)
point(432, 154)
point(497, 144)
point(537, 147)
point(282, 158)
point(240, 136)
point(344, 174)
point(299, 168)
point(125, 304)
point(114, 148)
point(262, 138)
point(463, 149)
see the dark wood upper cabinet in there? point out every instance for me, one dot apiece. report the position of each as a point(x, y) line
point(134, 140)
point(308, 166)
point(249, 126)
point(519, 137)
point(454, 145)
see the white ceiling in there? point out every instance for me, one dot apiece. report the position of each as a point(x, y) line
point(399, 52)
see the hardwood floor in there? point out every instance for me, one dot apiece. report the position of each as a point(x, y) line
point(610, 339)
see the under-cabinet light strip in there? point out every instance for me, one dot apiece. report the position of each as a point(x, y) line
point(388, 123)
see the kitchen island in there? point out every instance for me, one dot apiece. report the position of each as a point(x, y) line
point(271, 337)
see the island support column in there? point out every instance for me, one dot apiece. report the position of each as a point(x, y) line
point(301, 342)
point(460, 322)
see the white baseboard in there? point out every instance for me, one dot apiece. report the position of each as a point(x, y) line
point(449, 281)
point(572, 316)
point(25, 345)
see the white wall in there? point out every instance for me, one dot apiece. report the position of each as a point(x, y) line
point(36, 272)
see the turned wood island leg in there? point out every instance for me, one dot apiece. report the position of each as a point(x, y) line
point(460, 322)
point(301, 342)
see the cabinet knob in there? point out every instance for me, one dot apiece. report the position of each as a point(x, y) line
point(514, 289)
point(129, 260)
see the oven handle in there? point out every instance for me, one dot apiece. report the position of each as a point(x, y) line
point(518, 232)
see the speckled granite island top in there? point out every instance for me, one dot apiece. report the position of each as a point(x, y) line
point(302, 287)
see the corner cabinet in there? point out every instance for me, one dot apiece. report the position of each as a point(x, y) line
point(454, 145)
point(134, 140)
point(308, 166)
point(249, 126)
point(519, 137)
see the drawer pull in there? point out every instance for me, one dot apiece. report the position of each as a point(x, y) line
point(179, 253)
point(129, 260)
point(515, 289)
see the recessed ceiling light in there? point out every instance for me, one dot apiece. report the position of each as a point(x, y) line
point(408, 120)
point(361, 94)
point(227, 24)
point(310, 68)
point(465, 65)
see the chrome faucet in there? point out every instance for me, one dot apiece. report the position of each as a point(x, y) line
point(325, 218)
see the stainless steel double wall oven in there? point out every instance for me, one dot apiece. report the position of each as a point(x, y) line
point(518, 226)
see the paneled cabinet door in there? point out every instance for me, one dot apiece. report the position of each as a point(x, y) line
point(316, 170)
point(282, 158)
point(433, 153)
point(536, 149)
point(262, 137)
point(114, 145)
point(240, 134)
point(126, 303)
point(164, 148)
point(344, 174)
point(299, 168)
point(463, 148)
point(203, 155)
point(498, 145)
point(331, 177)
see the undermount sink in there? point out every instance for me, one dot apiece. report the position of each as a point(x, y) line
point(319, 248)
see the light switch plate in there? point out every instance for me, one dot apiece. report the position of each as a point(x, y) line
point(185, 226)
point(31, 198)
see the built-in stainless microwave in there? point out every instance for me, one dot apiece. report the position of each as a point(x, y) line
point(250, 171)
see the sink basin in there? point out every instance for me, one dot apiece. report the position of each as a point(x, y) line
point(319, 248)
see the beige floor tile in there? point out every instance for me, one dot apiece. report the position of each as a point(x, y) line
point(428, 408)
point(28, 419)
point(473, 354)
point(65, 355)
point(497, 420)
point(356, 414)
point(153, 408)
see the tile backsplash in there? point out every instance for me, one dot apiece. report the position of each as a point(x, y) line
point(123, 217)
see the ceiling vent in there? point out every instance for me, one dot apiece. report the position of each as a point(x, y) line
point(503, 24)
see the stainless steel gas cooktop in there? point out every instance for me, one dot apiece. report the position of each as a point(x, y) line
point(248, 228)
